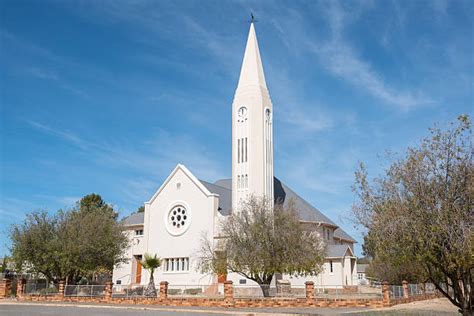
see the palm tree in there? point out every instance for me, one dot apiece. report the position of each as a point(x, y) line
point(151, 263)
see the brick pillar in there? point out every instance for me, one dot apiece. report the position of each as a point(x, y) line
point(20, 287)
point(61, 288)
point(108, 290)
point(5, 287)
point(386, 293)
point(309, 286)
point(163, 290)
point(228, 291)
point(406, 294)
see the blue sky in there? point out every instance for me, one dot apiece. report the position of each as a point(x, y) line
point(108, 96)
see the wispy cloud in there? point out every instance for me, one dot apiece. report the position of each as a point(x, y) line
point(307, 122)
point(42, 73)
point(343, 62)
point(341, 59)
point(61, 201)
point(151, 159)
point(53, 76)
point(65, 135)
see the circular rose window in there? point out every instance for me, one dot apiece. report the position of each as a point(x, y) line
point(177, 220)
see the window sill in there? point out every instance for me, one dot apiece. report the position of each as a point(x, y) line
point(175, 272)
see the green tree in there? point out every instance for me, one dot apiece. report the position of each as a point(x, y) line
point(141, 209)
point(36, 246)
point(94, 202)
point(151, 263)
point(70, 244)
point(92, 240)
point(420, 213)
point(387, 271)
point(260, 241)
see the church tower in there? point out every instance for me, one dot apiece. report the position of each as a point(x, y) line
point(252, 129)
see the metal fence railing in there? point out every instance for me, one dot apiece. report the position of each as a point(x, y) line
point(296, 291)
point(396, 291)
point(415, 289)
point(338, 291)
point(129, 291)
point(430, 288)
point(84, 290)
point(251, 291)
point(184, 290)
point(43, 289)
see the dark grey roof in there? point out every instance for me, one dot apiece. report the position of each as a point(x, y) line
point(361, 267)
point(225, 183)
point(225, 196)
point(341, 234)
point(336, 251)
point(284, 194)
point(134, 219)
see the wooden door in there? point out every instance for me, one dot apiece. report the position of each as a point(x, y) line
point(138, 273)
point(221, 278)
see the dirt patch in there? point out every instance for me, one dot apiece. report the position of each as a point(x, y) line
point(440, 305)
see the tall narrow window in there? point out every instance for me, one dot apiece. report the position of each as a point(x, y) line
point(331, 267)
point(238, 150)
point(242, 141)
point(238, 182)
point(245, 149)
point(246, 181)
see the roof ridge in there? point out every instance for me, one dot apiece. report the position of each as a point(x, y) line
point(220, 186)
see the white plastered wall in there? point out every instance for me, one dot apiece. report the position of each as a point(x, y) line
point(125, 271)
point(184, 189)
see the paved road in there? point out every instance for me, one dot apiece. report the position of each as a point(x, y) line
point(22, 309)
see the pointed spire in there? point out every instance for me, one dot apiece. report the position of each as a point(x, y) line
point(252, 69)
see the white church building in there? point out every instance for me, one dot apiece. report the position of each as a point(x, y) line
point(184, 207)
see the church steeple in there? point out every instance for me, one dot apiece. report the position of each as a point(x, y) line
point(252, 129)
point(252, 69)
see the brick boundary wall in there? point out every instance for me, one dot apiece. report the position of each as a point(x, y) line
point(230, 301)
point(217, 302)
